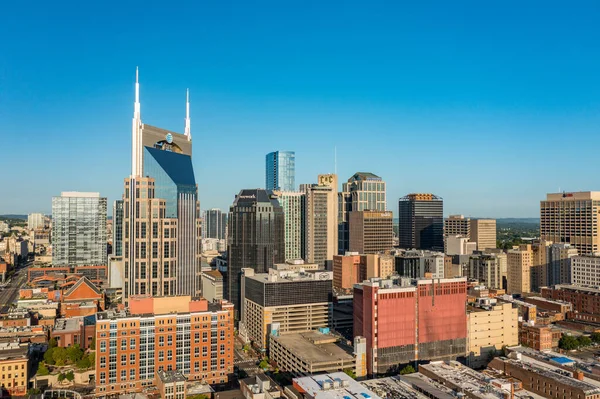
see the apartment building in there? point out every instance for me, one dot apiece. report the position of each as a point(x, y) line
point(519, 262)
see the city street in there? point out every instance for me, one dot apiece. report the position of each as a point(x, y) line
point(10, 293)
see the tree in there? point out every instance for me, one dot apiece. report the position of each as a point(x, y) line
point(34, 391)
point(568, 343)
point(407, 370)
point(43, 369)
point(74, 353)
point(61, 377)
point(93, 344)
point(595, 337)
point(263, 364)
point(84, 363)
point(53, 343)
point(584, 340)
point(60, 356)
point(350, 373)
point(49, 356)
point(70, 376)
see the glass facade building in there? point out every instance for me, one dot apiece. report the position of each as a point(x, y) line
point(281, 171)
point(79, 235)
point(421, 222)
point(215, 224)
point(118, 228)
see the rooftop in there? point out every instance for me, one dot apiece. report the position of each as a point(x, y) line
point(68, 324)
point(334, 386)
point(12, 350)
point(314, 347)
point(394, 387)
point(170, 376)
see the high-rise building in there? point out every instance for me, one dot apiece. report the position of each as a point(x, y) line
point(117, 239)
point(281, 171)
point(411, 321)
point(551, 264)
point(256, 238)
point(421, 222)
point(371, 231)
point(214, 224)
point(519, 262)
point(488, 269)
point(292, 204)
point(35, 221)
point(79, 229)
point(571, 218)
point(419, 264)
point(457, 225)
point(483, 232)
point(161, 212)
point(585, 270)
point(286, 301)
point(193, 337)
point(320, 220)
point(364, 191)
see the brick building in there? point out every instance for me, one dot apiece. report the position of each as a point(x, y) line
point(538, 337)
point(163, 333)
point(75, 330)
point(353, 268)
point(405, 321)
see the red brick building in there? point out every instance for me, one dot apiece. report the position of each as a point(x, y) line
point(166, 333)
point(426, 320)
point(74, 330)
point(538, 337)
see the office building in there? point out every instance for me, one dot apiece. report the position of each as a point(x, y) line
point(538, 337)
point(364, 191)
point(418, 264)
point(14, 362)
point(491, 326)
point(519, 262)
point(539, 264)
point(292, 204)
point(421, 222)
point(170, 334)
point(315, 352)
point(353, 268)
point(560, 263)
point(585, 270)
point(405, 321)
point(256, 238)
point(571, 218)
point(320, 220)
point(35, 221)
point(457, 225)
point(459, 245)
point(117, 238)
point(287, 301)
point(483, 232)
point(161, 212)
point(370, 231)
point(281, 171)
point(79, 229)
point(212, 285)
point(489, 269)
point(214, 224)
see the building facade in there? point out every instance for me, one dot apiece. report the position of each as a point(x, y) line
point(419, 264)
point(585, 270)
point(421, 222)
point(215, 224)
point(35, 221)
point(483, 232)
point(371, 231)
point(117, 238)
point(519, 261)
point(169, 334)
point(292, 204)
point(402, 323)
point(489, 269)
point(352, 268)
point(280, 170)
point(320, 220)
point(14, 362)
point(79, 229)
point(363, 191)
point(256, 238)
point(571, 218)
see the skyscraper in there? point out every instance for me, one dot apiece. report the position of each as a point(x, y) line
point(161, 223)
point(364, 191)
point(35, 221)
point(571, 218)
point(292, 202)
point(320, 220)
point(483, 232)
point(421, 222)
point(79, 229)
point(519, 263)
point(215, 224)
point(371, 231)
point(118, 228)
point(256, 238)
point(281, 171)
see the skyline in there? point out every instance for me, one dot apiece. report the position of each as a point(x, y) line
point(455, 101)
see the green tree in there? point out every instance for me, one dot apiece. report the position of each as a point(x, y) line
point(263, 364)
point(584, 340)
point(53, 343)
point(84, 363)
point(34, 391)
point(43, 369)
point(61, 377)
point(568, 343)
point(407, 370)
point(93, 344)
point(60, 356)
point(595, 337)
point(49, 356)
point(74, 353)
point(350, 373)
point(92, 357)
point(70, 376)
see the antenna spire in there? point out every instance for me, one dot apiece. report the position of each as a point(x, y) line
point(187, 132)
point(136, 131)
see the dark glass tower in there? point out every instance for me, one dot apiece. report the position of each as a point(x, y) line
point(256, 238)
point(215, 224)
point(421, 222)
point(118, 228)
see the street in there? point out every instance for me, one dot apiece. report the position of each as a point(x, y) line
point(10, 293)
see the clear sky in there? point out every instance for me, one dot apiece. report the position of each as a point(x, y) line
point(488, 104)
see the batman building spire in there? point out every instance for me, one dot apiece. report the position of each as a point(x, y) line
point(161, 212)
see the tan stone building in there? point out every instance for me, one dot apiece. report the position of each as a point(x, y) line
point(519, 262)
point(371, 231)
point(14, 367)
point(489, 328)
point(457, 225)
point(353, 268)
point(571, 218)
point(483, 232)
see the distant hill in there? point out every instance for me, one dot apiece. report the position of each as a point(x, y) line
point(4, 217)
point(518, 220)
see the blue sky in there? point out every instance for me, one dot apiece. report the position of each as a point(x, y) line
point(487, 104)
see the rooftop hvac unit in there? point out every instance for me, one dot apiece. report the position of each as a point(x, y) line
point(345, 383)
point(326, 385)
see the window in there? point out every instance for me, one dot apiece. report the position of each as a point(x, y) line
point(123, 344)
point(123, 375)
point(132, 358)
point(170, 340)
point(132, 374)
point(102, 346)
point(103, 378)
point(123, 360)
point(196, 337)
point(204, 336)
point(161, 340)
point(161, 356)
point(169, 355)
point(132, 343)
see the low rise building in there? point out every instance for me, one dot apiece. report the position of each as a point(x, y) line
point(353, 268)
point(260, 387)
point(212, 285)
point(171, 384)
point(332, 386)
point(419, 263)
point(316, 352)
point(75, 330)
point(585, 270)
point(541, 338)
point(14, 366)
